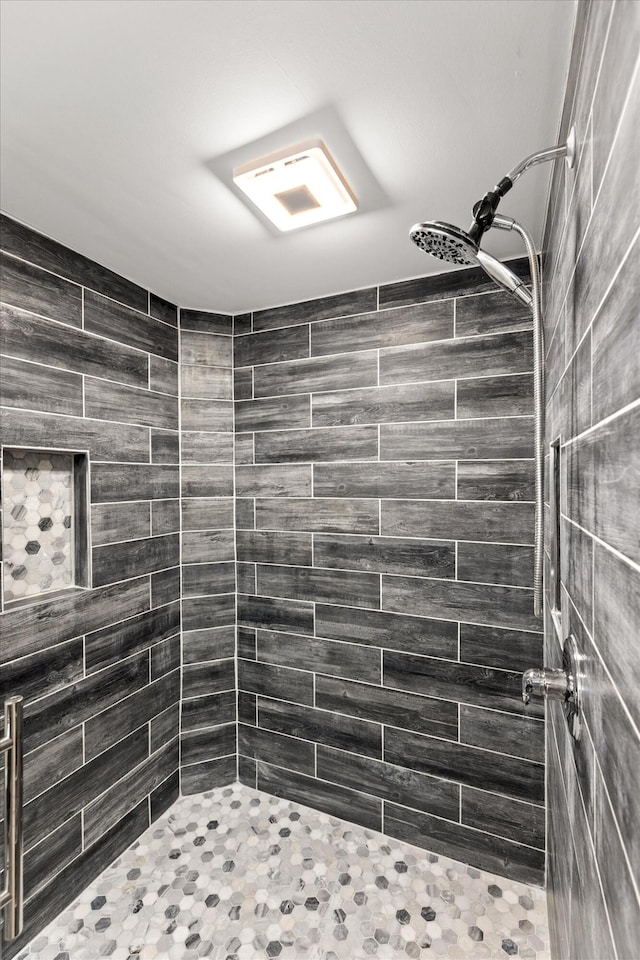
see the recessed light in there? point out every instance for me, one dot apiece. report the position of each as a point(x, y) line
point(297, 186)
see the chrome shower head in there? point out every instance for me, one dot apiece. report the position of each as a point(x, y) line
point(445, 241)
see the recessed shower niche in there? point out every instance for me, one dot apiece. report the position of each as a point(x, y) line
point(45, 530)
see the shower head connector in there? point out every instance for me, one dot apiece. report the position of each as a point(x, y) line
point(445, 241)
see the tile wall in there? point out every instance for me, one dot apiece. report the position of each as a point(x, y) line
point(384, 487)
point(208, 721)
point(592, 278)
point(90, 364)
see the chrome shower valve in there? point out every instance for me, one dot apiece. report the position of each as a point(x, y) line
point(558, 684)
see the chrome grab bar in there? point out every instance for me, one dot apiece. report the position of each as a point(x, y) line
point(11, 897)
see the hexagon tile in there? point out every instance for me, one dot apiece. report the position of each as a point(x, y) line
point(37, 547)
point(236, 874)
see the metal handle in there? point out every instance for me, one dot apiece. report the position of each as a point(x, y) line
point(559, 684)
point(11, 897)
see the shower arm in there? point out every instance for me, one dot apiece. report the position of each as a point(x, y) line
point(484, 210)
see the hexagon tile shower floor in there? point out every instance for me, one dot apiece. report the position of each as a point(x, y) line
point(235, 874)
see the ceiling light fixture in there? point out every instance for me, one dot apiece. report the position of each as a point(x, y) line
point(297, 187)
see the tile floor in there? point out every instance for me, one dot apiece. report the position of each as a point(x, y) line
point(236, 874)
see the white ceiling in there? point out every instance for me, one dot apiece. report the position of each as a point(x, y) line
point(119, 117)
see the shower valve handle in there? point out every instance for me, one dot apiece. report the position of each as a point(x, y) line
point(548, 683)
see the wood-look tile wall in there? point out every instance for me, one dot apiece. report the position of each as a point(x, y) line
point(384, 529)
point(208, 712)
point(90, 363)
point(592, 281)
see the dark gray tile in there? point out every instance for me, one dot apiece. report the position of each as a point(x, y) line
point(117, 322)
point(199, 613)
point(397, 480)
point(499, 439)
point(165, 446)
point(330, 729)
point(489, 522)
point(495, 396)
point(412, 634)
point(28, 337)
point(165, 795)
point(424, 558)
point(295, 616)
point(270, 747)
point(492, 730)
point(318, 585)
point(52, 855)
point(199, 777)
point(319, 656)
point(242, 323)
point(111, 481)
point(496, 480)
point(203, 322)
point(274, 413)
point(212, 643)
point(115, 643)
point(420, 401)
point(115, 522)
point(207, 480)
point(495, 563)
point(164, 727)
point(390, 783)
point(206, 447)
point(165, 657)
point(461, 682)
point(438, 718)
point(67, 798)
point(207, 546)
point(246, 577)
point(35, 387)
point(163, 309)
point(197, 746)
point(452, 600)
point(165, 517)
point(103, 813)
point(244, 448)
point(214, 415)
point(504, 817)
point(163, 375)
point(488, 313)
point(204, 513)
point(35, 290)
point(247, 643)
point(243, 384)
point(273, 680)
point(209, 711)
point(206, 383)
point(208, 578)
point(289, 343)
point(270, 546)
point(205, 349)
point(52, 762)
point(453, 283)
point(165, 587)
point(273, 480)
point(502, 354)
point(35, 627)
point(41, 674)
point(25, 243)
point(504, 649)
point(247, 708)
point(616, 360)
point(118, 561)
point(388, 328)
point(111, 401)
point(507, 859)
point(245, 514)
point(320, 373)
point(330, 516)
point(507, 776)
point(205, 679)
point(340, 305)
point(317, 444)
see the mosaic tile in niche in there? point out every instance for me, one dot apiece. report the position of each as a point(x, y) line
point(37, 536)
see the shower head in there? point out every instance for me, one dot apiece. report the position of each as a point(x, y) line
point(452, 244)
point(445, 241)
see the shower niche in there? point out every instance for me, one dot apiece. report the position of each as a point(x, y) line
point(45, 522)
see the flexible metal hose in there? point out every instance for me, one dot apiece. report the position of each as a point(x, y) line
point(538, 405)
